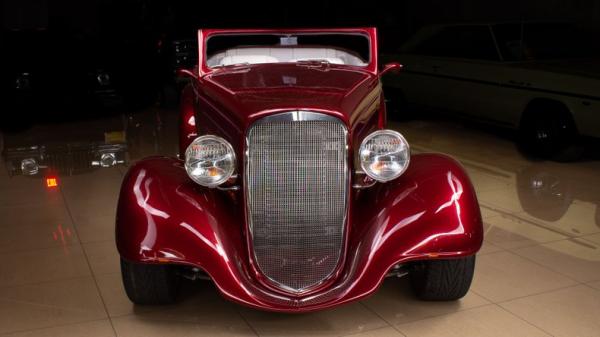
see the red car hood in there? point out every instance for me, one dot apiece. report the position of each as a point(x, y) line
point(248, 91)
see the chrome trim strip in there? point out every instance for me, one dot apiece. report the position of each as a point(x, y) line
point(296, 116)
point(230, 188)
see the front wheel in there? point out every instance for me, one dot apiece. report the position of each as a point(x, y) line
point(149, 283)
point(442, 280)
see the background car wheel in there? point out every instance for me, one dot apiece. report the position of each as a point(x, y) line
point(548, 131)
point(442, 280)
point(149, 283)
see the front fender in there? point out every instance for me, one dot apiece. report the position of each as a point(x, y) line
point(162, 216)
point(429, 212)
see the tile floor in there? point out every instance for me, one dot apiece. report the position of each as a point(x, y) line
point(538, 273)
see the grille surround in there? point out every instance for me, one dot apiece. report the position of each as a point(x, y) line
point(295, 249)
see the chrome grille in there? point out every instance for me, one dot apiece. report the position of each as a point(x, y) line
point(69, 161)
point(296, 188)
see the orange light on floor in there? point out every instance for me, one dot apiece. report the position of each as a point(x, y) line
point(51, 182)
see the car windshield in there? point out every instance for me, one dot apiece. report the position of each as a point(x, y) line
point(230, 49)
point(544, 41)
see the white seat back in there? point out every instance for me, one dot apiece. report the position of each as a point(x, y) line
point(253, 55)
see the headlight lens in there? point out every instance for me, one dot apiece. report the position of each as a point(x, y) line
point(108, 160)
point(29, 166)
point(384, 155)
point(210, 161)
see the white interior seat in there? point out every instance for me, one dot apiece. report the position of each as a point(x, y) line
point(254, 55)
point(251, 59)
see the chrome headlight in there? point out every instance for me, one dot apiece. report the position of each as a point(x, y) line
point(209, 161)
point(108, 160)
point(29, 166)
point(384, 155)
point(102, 78)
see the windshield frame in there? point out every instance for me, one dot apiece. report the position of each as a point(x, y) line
point(350, 52)
point(370, 33)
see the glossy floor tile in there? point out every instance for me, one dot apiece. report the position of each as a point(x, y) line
point(510, 231)
point(537, 274)
point(488, 248)
point(345, 320)
point(42, 265)
point(49, 304)
point(595, 285)
point(140, 326)
point(595, 238)
point(504, 275)
point(568, 312)
point(490, 320)
point(114, 297)
point(102, 257)
point(95, 228)
point(575, 258)
point(382, 332)
point(36, 228)
point(100, 328)
point(396, 304)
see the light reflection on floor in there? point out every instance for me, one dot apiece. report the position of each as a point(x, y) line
point(537, 274)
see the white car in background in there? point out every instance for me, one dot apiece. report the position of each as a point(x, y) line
point(540, 78)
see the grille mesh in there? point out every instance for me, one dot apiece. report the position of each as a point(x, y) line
point(297, 185)
point(69, 161)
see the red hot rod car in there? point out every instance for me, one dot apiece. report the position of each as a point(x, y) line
point(290, 194)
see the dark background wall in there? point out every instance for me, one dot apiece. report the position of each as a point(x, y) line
point(585, 12)
point(93, 16)
point(148, 21)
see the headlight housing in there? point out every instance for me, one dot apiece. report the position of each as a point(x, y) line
point(210, 161)
point(384, 155)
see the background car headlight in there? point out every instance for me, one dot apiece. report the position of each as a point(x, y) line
point(209, 161)
point(108, 160)
point(384, 155)
point(29, 166)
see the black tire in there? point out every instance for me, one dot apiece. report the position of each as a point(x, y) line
point(148, 284)
point(547, 131)
point(442, 280)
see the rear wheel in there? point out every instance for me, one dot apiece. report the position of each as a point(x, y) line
point(149, 283)
point(547, 131)
point(442, 280)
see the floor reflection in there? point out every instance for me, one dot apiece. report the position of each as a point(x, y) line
point(548, 191)
point(74, 148)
